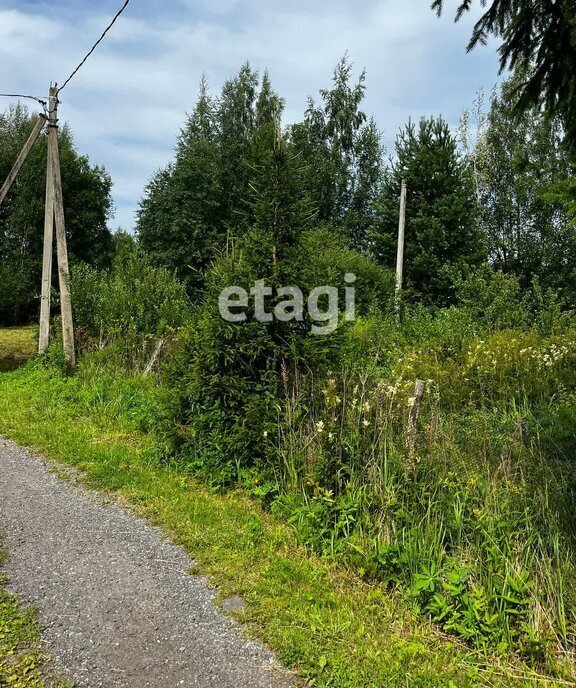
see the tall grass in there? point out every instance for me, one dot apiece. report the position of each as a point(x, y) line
point(476, 524)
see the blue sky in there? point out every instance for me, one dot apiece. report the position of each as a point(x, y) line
point(128, 103)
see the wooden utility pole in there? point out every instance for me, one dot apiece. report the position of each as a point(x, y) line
point(400, 255)
point(54, 214)
point(22, 157)
point(61, 246)
point(44, 338)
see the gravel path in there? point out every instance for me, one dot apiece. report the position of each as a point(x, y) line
point(116, 600)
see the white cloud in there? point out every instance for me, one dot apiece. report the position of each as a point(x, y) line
point(127, 104)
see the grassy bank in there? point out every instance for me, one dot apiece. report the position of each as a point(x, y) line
point(327, 623)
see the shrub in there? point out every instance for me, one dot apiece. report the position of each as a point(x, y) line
point(130, 306)
point(235, 381)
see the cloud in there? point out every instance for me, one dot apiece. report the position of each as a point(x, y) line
point(128, 102)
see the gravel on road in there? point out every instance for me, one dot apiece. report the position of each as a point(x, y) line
point(115, 598)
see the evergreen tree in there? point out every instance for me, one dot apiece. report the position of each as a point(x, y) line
point(180, 218)
point(279, 206)
point(442, 227)
point(192, 209)
point(539, 36)
point(236, 125)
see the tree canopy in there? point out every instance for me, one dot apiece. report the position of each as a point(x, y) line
point(87, 206)
point(540, 37)
point(442, 228)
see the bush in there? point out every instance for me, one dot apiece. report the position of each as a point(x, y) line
point(235, 381)
point(130, 306)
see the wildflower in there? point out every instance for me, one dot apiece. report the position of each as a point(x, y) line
point(330, 436)
point(411, 401)
point(365, 423)
point(366, 407)
point(320, 426)
point(265, 434)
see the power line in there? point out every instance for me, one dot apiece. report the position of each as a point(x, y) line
point(94, 46)
point(20, 96)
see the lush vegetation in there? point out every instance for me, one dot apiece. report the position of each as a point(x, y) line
point(17, 345)
point(87, 204)
point(453, 511)
point(539, 37)
point(335, 627)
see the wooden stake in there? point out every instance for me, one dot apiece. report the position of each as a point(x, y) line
point(62, 250)
point(413, 416)
point(21, 159)
point(400, 255)
point(48, 237)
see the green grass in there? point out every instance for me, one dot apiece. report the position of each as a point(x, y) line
point(22, 665)
point(323, 621)
point(17, 345)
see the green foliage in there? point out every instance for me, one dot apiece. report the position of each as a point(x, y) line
point(87, 206)
point(540, 37)
point(328, 625)
point(179, 221)
point(234, 164)
point(234, 379)
point(519, 162)
point(131, 305)
point(342, 151)
point(491, 298)
point(472, 524)
point(22, 665)
point(441, 223)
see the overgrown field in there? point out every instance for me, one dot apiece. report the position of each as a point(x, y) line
point(336, 627)
point(380, 538)
point(469, 516)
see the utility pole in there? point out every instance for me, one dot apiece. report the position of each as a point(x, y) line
point(54, 215)
point(61, 246)
point(48, 235)
point(400, 255)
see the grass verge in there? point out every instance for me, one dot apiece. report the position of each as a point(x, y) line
point(331, 626)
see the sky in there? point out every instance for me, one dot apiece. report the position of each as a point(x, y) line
point(127, 104)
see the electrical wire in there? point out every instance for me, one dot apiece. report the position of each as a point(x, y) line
point(20, 96)
point(79, 67)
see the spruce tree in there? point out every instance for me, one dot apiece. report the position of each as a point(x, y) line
point(180, 218)
point(441, 226)
point(540, 37)
point(236, 122)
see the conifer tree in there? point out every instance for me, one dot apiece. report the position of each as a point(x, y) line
point(180, 218)
point(442, 227)
point(538, 36)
